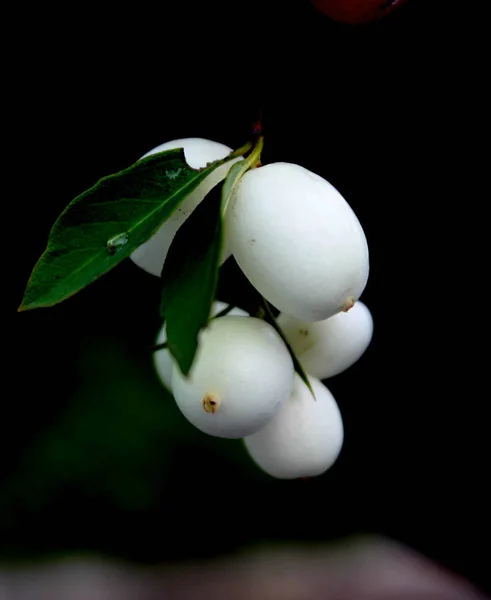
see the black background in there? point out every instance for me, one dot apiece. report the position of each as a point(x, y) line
point(373, 110)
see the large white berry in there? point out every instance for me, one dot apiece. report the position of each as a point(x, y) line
point(326, 348)
point(162, 359)
point(298, 241)
point(241, 375)
point(198, 152)
point(304, 439)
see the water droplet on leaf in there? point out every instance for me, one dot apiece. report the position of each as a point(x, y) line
point(115, 243)
point(172, 174)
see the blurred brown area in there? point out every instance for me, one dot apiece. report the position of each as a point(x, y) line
point(358, 569)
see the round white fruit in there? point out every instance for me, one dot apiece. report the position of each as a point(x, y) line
point(198, 152)
point(298, 241)
point(326, 348)
point(162, 359)
point(241, 375)
point(304, 439)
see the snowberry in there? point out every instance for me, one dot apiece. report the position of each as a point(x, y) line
point(298, 241)
point(198, 152)
point(241, 375)
point(326, 348)
point(162, 359)
point(304, 439)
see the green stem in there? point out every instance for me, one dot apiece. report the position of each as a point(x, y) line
point(240, 151)
point(251, 162)
point(223, 312)
point(271, 319)
point(255, 155)
point(157, 347)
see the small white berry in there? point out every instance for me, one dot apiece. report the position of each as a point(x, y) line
point(162, 359)
point(298, 241)
point(304, 439)
point(241, 375)
point(198, 152)
point(326, 348)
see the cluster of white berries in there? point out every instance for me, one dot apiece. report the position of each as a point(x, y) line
point(302, 247)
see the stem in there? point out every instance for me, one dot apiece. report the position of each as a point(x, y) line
point(223, 312)
point(255, 155)
point(240, 151)
point(158, 347)
point(267, 310)
point(248, 163)
point(271, 319)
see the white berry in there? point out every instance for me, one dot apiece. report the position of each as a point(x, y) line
point(298, 241)
point(198, 152)
point(162, 359)
point(241, 375)
point(304, 439)
point(326, 348)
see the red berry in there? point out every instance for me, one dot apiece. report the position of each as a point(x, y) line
point(356, 11)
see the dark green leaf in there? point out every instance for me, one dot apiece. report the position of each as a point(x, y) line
point(270, 318)
point(189, 278)
point(102, 226)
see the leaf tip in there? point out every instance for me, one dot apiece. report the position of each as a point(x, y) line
point(311, 389)
point(23, 306)
point(184, 367)
point(183, 362)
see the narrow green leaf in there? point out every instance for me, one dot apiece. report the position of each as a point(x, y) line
point(237, 171)
point(270, 318)
point(190, 276)
point(103, 225)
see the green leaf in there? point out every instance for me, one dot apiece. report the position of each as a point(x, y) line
point(190, 272)
point(103, 225)
point(269, 317)
point(190, 276)
point(237, 171)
